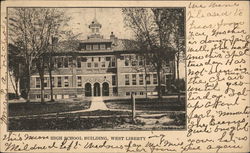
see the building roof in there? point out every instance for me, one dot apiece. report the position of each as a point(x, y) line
point(96, 40)
point(119, 46)
point(69, 46)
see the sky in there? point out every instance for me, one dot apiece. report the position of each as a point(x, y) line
point(110, 18)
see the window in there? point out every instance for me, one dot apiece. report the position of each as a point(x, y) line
point(113, 62)
point(53, 82)
point(95, 47)
point(140, 60)
point(70, 61)
point(133, 79)
point(127, 93)
point(59, 62)
point(140, 79)
point(141, 93)
point(103, 64)
point(83, 59)
point(38, 96)
point(113, 80)
point(45, 82)
point(89, 65)
point(107, 58)
point(127, 79)
point(127, 61)
point(38, 82)
point(154, 78)
point(59, 82)
point(148, 79)
point(66, 62)
point(134, 61)
point(66, 81)
point(135, 93)
point(102, 46)
point(96, 64)
point(78, 62)
point(79, 81)
point(99, 59)
point(97, 30)
point(88, 47)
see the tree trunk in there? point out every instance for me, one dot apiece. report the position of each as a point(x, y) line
point(40, 67)
point(178, 75)
point(42, 88)
point(178, 78)
point(159, 83)
point(16, 89)
point(145, 70)
point(28, 84)
point(51, 84)
point(14, 83)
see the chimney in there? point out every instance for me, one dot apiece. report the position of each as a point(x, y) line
point(113, 38)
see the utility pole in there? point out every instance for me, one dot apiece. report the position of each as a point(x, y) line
point(133, 107)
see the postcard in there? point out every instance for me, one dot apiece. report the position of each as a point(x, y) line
point(125, 76)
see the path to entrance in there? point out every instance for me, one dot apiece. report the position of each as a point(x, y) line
point(97, 104)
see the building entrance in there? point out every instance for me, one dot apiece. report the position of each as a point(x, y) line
point(97, 89)
point(105, 89)
point(88, 90)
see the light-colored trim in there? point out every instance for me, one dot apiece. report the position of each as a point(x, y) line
point(137, 85)
point(138, 73)
point(56, 87)
point(98, 74)
point(53, 75)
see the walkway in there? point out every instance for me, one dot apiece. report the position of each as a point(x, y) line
point(97, 104)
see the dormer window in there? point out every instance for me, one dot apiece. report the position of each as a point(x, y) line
point(102, 46)
point(95, 47)
point(88, 47)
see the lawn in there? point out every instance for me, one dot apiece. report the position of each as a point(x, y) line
point(141, 104)
point(106, 121)
point(36, 108)
point(151, 114)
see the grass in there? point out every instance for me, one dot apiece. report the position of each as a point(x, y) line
point(141, 104)
point(36, 108)
point(152, 114)
point(173, 120)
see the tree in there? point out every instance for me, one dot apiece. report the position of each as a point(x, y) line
point(57, 46)
point(153, 32)
point(30, 30)
point(14, 68)
point(178, 30)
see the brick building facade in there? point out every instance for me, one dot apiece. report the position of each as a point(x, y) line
point(100, 67)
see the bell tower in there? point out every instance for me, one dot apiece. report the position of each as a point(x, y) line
point(95, 27)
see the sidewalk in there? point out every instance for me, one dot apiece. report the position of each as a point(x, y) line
point(97, 104)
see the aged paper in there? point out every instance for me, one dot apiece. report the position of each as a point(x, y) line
point(217, 79)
